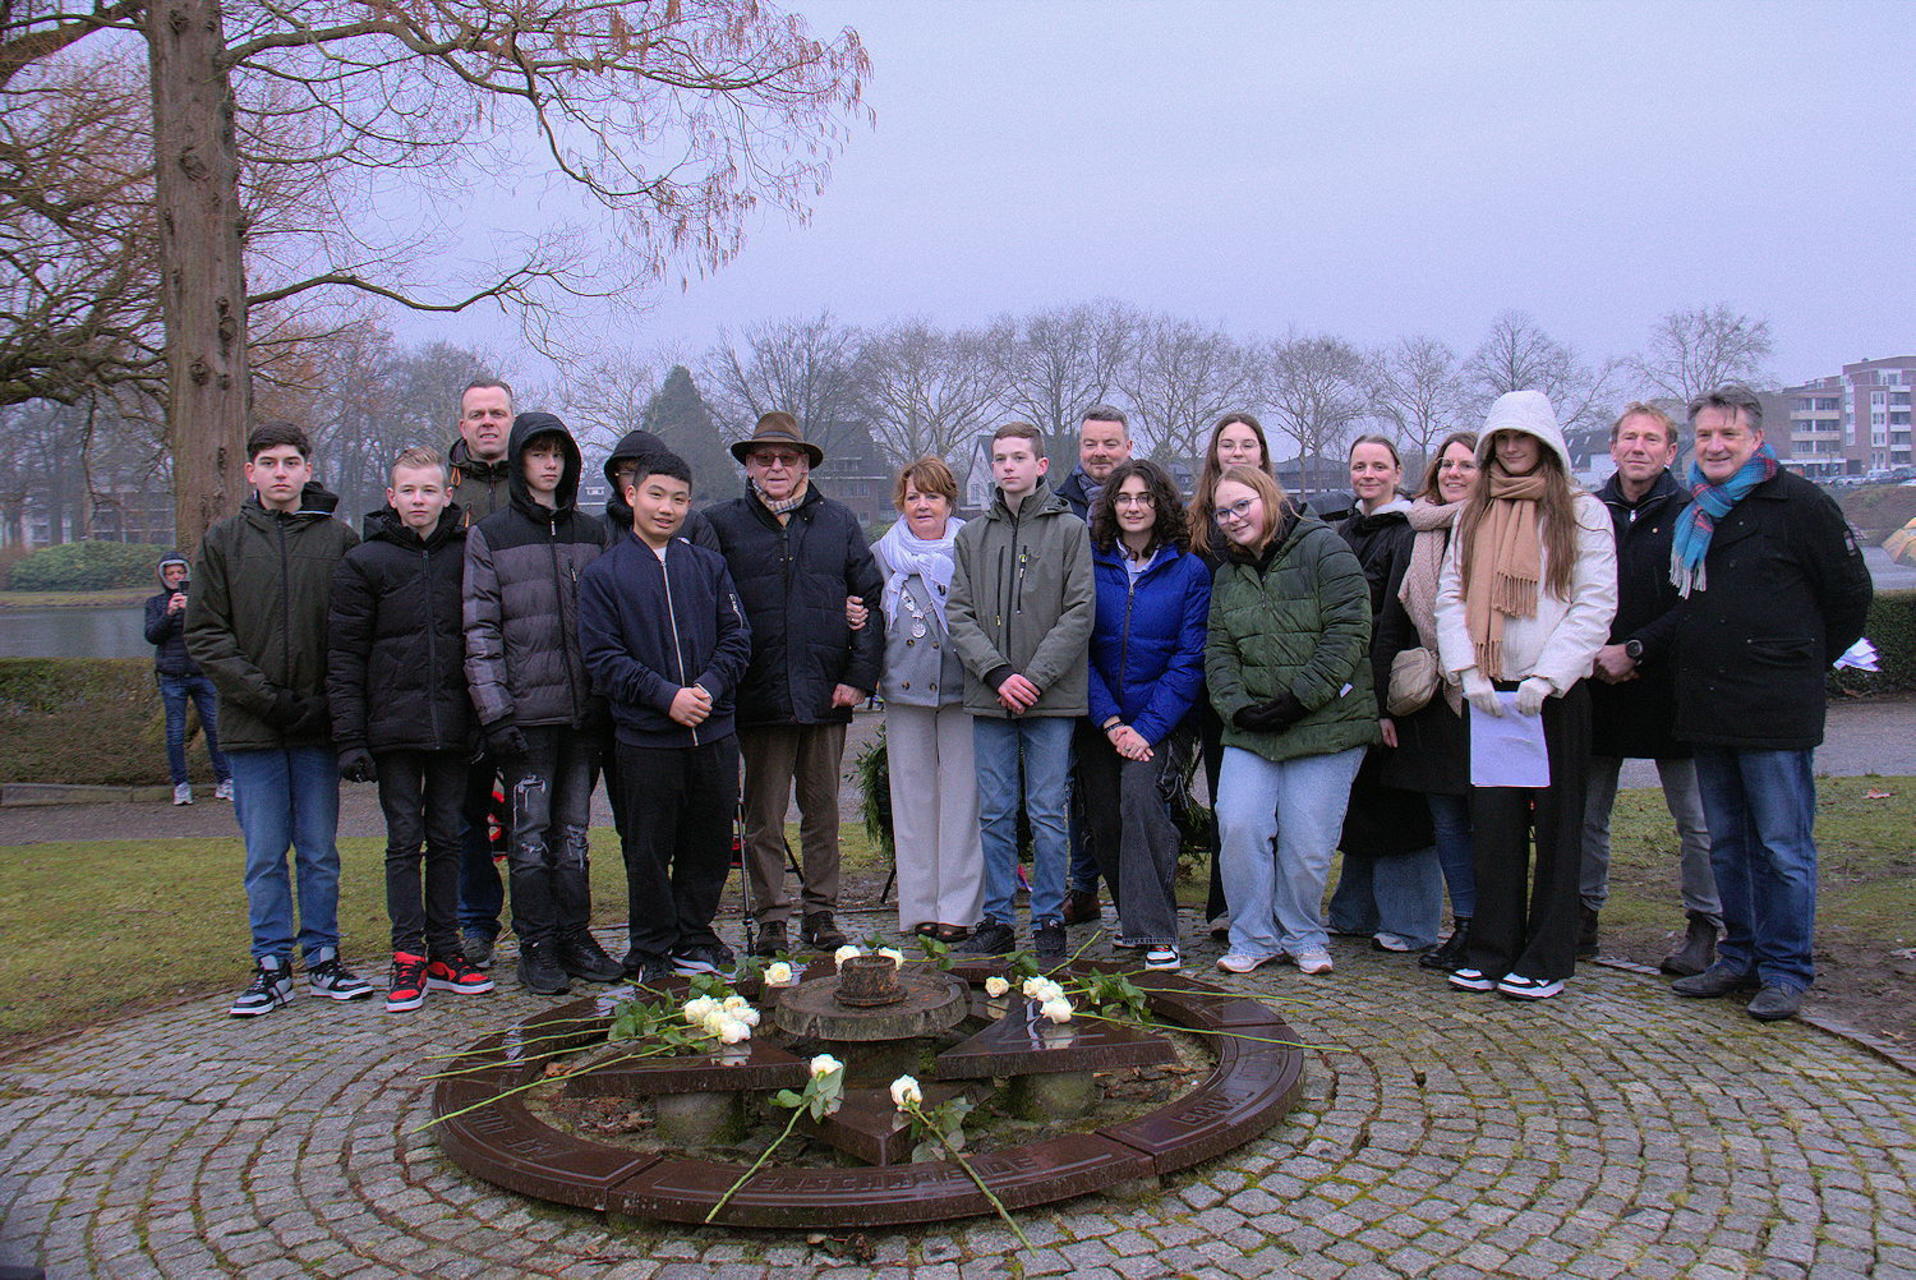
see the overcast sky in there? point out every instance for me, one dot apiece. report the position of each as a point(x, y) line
point(1367, 170)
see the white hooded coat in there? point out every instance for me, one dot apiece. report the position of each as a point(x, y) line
point(1560, 643)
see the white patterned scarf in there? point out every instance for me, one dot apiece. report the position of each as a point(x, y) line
point(905, 554)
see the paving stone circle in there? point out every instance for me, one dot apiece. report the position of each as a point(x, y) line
point(1614, 1131)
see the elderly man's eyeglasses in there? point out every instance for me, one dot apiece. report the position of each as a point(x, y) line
point(768, 460)
point(1239, 510)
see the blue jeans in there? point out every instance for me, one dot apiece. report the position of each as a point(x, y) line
point(1042, 744)
point(1277, 901)
point(289, 796)
point(1450, 820)
point(174, 691)
point(482, 895)
point(1761, 809)
point(1401, 894)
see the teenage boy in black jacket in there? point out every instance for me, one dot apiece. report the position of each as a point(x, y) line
point(666, 641)
point(534, 699)
point(396, 683)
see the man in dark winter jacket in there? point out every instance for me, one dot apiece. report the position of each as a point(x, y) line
point(534, 697)
point(256, 625)
point(179, 679)
point(666, 640)
point(1633, 698)
point(1104, 441)
point(480, 484)
point(1775, 590)
point(396, 683)
point(796, 556)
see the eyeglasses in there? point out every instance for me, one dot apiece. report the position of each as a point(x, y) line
point(1239, 510)
point(770, 460)
point(1131, 500)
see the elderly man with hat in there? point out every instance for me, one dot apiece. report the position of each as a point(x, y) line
point(795, 557)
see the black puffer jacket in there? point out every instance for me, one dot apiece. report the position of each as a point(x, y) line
point(1634, 719)
point(1381, 542)
point(395, 663)
point(166, 628)
point(1788, 592)
point(523, 660)
point(793, 580)
point(256, 617)
point(696, 530)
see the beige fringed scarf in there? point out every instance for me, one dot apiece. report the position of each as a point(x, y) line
point(1506, 564)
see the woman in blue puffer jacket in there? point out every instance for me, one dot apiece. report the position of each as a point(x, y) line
point(1147, 667)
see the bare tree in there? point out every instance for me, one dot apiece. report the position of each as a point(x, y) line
point(607, 396)
point(1691, 352)
point(1519, 356)
point(1417, 390)
point(1055, 364)
point(807, 368)
point(1181, 378)
point(1316, 388)
point(926, 391)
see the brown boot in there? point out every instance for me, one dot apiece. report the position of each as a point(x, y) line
point(1081, 907)
point(1697, 952)
point(822, 932)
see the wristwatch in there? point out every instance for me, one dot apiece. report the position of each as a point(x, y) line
point(1633, 649)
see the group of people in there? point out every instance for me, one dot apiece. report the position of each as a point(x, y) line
point(1081, 641)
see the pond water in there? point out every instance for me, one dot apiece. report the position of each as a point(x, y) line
point(115, 632)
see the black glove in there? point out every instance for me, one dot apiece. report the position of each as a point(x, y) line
point(284, 713)
point(1280, 712)
point(314, 720)
point(356, 765)
point(504, 741)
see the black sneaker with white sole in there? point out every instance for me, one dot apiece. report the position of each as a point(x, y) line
point(272, 986)
point(993, 938)
point(327, 975)
point(714, 958)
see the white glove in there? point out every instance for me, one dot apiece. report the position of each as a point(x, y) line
point(1532, 692)
point(1481, 694)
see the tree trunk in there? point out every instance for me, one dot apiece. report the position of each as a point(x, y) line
point(202, 230)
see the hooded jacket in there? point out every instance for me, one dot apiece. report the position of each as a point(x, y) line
point(1023, 600)
point(1633, 720)
point(523, 661)
point(1147, 643)
point(256, 617)
point(1561, 640)
point(618, 512)
point(792, 579)
point(165, 630)
point(1298, 621)
point(480, 488)
point(395, 672)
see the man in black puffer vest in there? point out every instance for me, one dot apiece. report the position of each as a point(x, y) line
point(796, 556)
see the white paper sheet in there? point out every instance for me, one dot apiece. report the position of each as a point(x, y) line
point(1508, 750)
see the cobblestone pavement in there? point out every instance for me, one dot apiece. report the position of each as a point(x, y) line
point(1614, 1131)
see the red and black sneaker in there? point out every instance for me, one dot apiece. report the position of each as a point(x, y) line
point(407, 990)
point(456, 973)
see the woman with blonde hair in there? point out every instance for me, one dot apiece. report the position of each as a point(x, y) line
point(1523, 605)
point(934, 784)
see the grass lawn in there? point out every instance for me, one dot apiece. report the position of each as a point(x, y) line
point(75, 599)
point(97, 928)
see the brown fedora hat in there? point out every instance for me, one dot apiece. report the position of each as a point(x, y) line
point(778, 427)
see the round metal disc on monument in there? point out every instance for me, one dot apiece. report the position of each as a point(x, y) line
point(930, 1003)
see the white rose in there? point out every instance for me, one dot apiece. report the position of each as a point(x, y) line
point(905, 1092)
point(695, 1010)
point(824, 1064)
point(714, 1020)
point(1056, 1010)
point(733, 1004)
point(894, 955)
point(996, 986)
point(747, 1015)
point(846, 952)
point(731, 1031)
point(778, 974)
point(1031, 987)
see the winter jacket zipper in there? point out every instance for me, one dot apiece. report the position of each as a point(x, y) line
point(672, 620)
point(432, 642)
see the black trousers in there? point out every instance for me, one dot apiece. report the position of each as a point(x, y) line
point(677, 842)
point(422, 793)
point(550, 789)
point(1526, 921)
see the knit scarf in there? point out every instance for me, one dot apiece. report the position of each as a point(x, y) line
point(907, 554)
point(783, 509)
point(1710, 503)
point(1433, 522)
point(1506, 564)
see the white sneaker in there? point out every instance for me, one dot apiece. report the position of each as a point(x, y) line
point(224, 791)
point(183, 794)
point(1313, 962)
point(1241, 962)
point(1518, 987)
point(1163, 959)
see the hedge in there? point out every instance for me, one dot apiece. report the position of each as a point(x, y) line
point(87, 720)
point(87, 566)
point(1892, 629)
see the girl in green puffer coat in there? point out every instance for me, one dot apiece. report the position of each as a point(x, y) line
point(1289, 672)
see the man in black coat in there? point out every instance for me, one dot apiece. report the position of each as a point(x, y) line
point(1633, 698)
point(1776, 590)
point(796, 556)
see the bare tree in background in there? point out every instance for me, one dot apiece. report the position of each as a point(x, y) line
point(1519, 356)
point(1181, 378)
point(1691, 352)
point(807, 368)
point(1417, 390)
point(927, 391)
point(607, 397)
point(1057, 363)
point(1315, 386)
